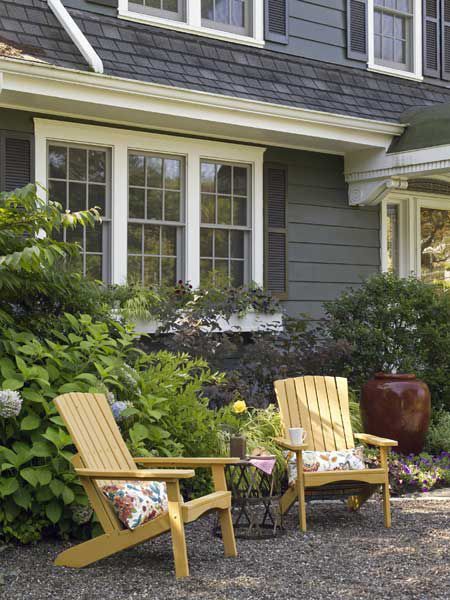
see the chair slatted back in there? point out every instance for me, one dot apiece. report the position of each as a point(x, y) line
point(319, 405)
point(94, 431)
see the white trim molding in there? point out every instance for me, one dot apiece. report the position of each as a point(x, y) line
point(193, 23)
point(416, 42)
point(79, 94)
point(76, 35)
point(120, 142)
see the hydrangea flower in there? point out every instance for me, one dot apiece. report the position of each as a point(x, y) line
point(117, 409)
point(110, 397)
point(10, 403)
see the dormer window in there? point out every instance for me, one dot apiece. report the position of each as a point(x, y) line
point(238, 21)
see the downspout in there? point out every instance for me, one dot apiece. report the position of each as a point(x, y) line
point(76, 35)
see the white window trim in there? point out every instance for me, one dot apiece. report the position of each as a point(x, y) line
point(416, 73)
point(120, 142)
point(194, 25)
point(409, 228)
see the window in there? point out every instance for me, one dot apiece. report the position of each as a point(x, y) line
point(416, 236)
point(165, 9)
point(79, 178)
point(392, 238)
point(393, 33)
point(175, 207)
point(435, 244)
point(225, 218)
point(229, 15)
point(395, 37)
point(241, 21)
point(155, 218)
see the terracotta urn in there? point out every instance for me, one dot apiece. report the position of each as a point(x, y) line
point(397, 406)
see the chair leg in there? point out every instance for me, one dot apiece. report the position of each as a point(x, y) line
point(177, 529)
point(88, 552)
point(226, 526)
point(386, 493)
point(300, 485)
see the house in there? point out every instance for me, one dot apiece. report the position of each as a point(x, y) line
point(300, 144)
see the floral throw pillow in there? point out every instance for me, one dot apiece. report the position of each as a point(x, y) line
point(314, 461)
point(136, 502)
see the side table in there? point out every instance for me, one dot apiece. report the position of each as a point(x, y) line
point(255, 501)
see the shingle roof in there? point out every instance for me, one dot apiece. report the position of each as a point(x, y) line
point(142, 52)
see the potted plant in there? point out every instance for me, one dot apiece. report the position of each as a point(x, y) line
point(238, 441)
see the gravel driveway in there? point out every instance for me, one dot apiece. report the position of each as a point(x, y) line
point(342, 556)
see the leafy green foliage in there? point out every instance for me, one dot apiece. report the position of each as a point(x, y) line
point(438, 437)
point(393, 324)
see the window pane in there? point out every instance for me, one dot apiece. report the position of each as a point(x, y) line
point(136, 170)
point(392, 239)
point(239, 181)
point(154, 171)
point(221, 245)
point(94, 266)
point(206, 266)
point(154, 204)
point(77, 164)
point(135, 239)
point(208, 9)
point(435, 244)
point(168, 271)
point(57, 162)
point(388, 49)
point(77, 196)
point(134, 269)
point(151, 270)
point(170, 5)
point(221, 266)
point(221, 12)
point(97, 166)
point(136, 206)
point(172, 174)
point(97, 198)
point(239, 211)
point(94, 239)
point(75, 235)
point(208, 208)
point(206, 242)
point(237, 273)
point(238, 13)
point(224, 179)
point(224, 210)
point(169, 241)
point(237, 244)
point(172, 206)
point(57, 192)
point(151, 239)
point(208, 177)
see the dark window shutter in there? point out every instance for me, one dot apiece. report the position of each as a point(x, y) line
point(275, 180)
point(445, 39)
point(16, 161)
point(357, 29)
point(276, 21)
point(431, 38)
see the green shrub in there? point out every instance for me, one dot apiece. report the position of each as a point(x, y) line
point(394, 324)
point(438, 437)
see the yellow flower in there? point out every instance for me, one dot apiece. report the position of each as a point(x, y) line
point(239, 407)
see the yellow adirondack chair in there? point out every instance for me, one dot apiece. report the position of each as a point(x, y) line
point(320, 405)
point(103, 456)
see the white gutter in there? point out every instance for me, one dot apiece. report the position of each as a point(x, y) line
point(76, 35)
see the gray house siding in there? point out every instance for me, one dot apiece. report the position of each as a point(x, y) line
point(331, 246)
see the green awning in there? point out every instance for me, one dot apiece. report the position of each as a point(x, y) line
point(426, 127)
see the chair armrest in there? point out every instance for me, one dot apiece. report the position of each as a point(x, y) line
point(185, 462)
point(123, 475)
point(287, 444)
point(374, 440)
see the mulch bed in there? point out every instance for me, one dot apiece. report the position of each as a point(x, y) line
point(342, 556)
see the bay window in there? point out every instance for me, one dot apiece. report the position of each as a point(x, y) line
point(241, 21)
point(416, 236)
point(172, 207)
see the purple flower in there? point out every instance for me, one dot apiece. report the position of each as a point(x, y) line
point(117, 409)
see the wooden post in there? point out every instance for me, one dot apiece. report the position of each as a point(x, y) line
point(300, 485)
point(226, 522)
point(384, 451)
point(177, 529)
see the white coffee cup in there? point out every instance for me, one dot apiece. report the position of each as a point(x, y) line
point(297, 435)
